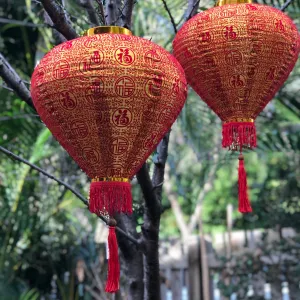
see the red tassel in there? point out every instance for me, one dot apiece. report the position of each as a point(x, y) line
point(113, 277)
point(239, 134)
point(244, 203)
point(110, 197)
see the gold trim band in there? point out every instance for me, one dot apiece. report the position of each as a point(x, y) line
point(119, 179)
point(239, 120)
point(223, 2)
point(107, 29)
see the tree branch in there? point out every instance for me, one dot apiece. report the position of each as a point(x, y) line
point(26, 162)
point(170, 15)
point(133, 256)
point(67, 186)
point(152, 190)
point(58, 37)
point(191, 11)
point(13, 80)
point(7, 88)
point(152, 212)
point(110, 12)
point(160, 163)
point(209, 182)
point(92, 292)
point(126, 15)
point(121, 13)
point(172, 197)
point(151, 201)
point(22, 116)
point(285, 5)
point(21, 23)
point(101, 12)
point(90, 9)
point(59, 19)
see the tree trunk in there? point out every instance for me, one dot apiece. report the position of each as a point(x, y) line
point(133, 258)
point(150, 230)
point(150, 234)
point(151, 261)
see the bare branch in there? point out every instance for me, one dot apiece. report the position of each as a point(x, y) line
point(90, 9)
point(152, 191)
point(13, 80)
point(67, 186)
point(101, 11)
point(193, 6)
point(98, 281)
point(7, 88)
point(58, 37)
point(21, 23)
point(158, 185)
point(59, 19)
point(285, 5)
point(92, 292)
point(151, 200)
point(121, 14)
point(110, 12)
point(160, 163)
point(170, 15)
point(172, 197)
point(209, 182)
point(127, 14)
point(24, 161)
point(127, 224)
point(22, 116)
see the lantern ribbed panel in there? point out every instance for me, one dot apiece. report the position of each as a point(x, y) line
point(109, 99)
point(237, 56)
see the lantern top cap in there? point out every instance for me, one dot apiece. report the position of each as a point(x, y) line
point(107, 29)
point(223, 2)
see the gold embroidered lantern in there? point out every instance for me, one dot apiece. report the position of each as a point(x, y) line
point(236, 56)
point(108, 98)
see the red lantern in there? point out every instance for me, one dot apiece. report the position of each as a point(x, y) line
point(109, 99)
point(236, 57)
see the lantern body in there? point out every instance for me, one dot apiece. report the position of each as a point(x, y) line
point(109, 99)
point(236, 57)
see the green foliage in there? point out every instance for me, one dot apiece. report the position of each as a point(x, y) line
point(32, 294)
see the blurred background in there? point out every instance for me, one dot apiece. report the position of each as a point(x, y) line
point(51, 247)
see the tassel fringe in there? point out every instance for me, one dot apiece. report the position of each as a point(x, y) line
point(113, 277)
point(244, 203)
point(110, 197)
point(237, 135)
